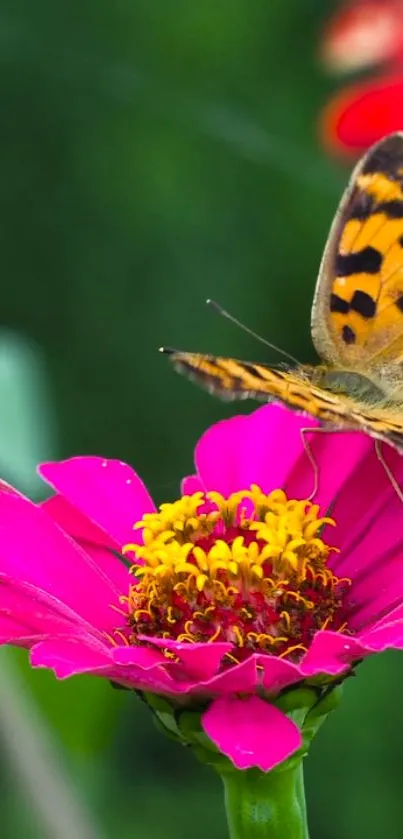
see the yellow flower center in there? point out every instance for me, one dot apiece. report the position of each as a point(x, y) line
point(250, 569)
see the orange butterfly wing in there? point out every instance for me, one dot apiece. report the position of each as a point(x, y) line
point(357, 314)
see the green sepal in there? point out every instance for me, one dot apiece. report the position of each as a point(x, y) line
point(297, 702)
point(118, 686)
point(191, 729)
point(307, 705)
point(188, 722)
point(163, 726)
point(164, 714)
point(159, 704)
point(327, 703)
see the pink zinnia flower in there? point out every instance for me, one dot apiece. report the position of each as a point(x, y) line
point(238, 590)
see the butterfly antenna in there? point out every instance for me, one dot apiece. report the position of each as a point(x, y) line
point(246, 329)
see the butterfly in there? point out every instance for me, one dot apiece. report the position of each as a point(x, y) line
point(357, 317)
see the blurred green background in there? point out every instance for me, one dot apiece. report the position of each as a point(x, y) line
point(153, 154)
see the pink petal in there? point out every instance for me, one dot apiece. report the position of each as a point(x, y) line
point(108, 492)
point(373, 561)
point(155, 680)
point(201, 661)
point(28, 616)
point(5, 487)
point(68, 657)
point(366, 494)
point(75, 523)
point(337, 457)
point(216, 455)
point(94, 541)
point(13, 634)
point(27, 612)
point(251, 732)
point(191, 484)
point(148, 670)
point(375, 595)
point(396, 615)
point(331, 653)
point(34, 550)
point(138, 656)
point(240, 678)
point(24, 599)
point(389, 635)
point(267, 448)
point(278, 673)
point(260, 448)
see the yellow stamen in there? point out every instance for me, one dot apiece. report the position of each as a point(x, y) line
point(250, 569)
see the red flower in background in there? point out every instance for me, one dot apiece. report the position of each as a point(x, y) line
point(363, 113)
point(363, 33)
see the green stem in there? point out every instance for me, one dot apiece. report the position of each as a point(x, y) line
point(266, 805)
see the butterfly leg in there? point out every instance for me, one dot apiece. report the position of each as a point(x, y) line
point(380, 456)
point(309, 454)
point(317, 430)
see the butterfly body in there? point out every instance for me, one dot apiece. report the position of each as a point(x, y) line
point(357, 317)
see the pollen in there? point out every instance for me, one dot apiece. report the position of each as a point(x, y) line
point(251, 569)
